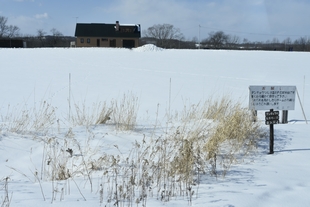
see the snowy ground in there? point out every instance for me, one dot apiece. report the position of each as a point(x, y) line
point(164, 81)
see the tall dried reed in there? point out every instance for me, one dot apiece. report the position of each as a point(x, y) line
point(125, 112)
point(38, 119)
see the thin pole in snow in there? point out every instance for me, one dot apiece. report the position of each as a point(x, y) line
point(69, 96)
point(302, 108)
point(303, 93)
point(169, 97)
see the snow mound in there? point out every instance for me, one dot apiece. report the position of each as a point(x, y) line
point(148, 47)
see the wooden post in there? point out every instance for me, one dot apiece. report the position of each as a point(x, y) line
point(254, 115)
point(284, 116)
point(271, 141)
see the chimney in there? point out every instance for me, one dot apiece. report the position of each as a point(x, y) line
point(117, 26)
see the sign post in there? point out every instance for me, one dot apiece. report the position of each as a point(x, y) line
point(270, 98)
point(271, 139)
point(271, 118)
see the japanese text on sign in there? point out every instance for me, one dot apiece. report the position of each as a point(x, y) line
point(272, 97)
point(271, 117)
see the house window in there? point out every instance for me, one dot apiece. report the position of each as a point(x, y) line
point(82, 40)
point(88, 40)
point(127, 30)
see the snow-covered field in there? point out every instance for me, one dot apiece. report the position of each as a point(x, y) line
point(164, 81)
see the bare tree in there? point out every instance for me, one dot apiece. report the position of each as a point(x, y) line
point(56, 33)
point(57, 36)
point(3, 26)
point(195, 40)
point(165, 34)
point(7, 30)
point(216, 40)
point(245, 41)
point(13, 31)
point(301, 43)
point(232, 41)
point(286, 43)
point(41, 37)
point(275, 40)
point(40, 33)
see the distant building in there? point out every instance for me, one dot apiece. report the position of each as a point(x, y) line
point(107, 35)
point(12, 43)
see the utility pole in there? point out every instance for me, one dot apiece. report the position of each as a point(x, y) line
point(199, 36)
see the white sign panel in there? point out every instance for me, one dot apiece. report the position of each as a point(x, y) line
point(272, 97)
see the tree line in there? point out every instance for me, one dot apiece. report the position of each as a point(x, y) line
point(164, 36)
point(167, 36)
point(41, 39)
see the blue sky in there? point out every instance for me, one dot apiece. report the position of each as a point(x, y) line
point(256, 20)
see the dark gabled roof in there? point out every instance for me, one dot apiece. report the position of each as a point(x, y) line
point(106, 30)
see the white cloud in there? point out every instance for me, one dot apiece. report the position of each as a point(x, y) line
point(41, 16)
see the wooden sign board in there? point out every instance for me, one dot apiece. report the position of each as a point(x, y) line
point(272, 117)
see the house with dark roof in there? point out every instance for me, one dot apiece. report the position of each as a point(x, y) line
point(107, 35)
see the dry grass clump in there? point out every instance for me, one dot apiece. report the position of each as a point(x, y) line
point(125, 112)
point(65, 158)
point(122, 114)
point(55, 164)
point(217, 109)
point(210, 109)
point(40, 120)
point(86, 116)
point(24, 120)
point(104, 116)
point(211, 137)
point(6, 199)
point(232, 136)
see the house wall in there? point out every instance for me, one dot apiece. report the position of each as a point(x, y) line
point(104, 42)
